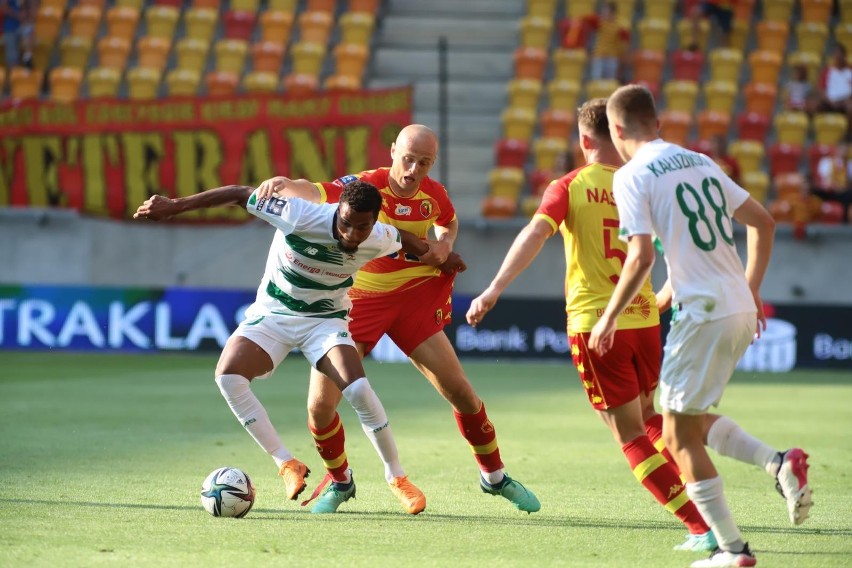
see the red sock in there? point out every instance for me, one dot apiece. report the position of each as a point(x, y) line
point(330, 442)
point(654, 428)
point(479, 433)
point(661, 478)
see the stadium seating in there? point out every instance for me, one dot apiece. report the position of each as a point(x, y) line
point(103, 82)
point(772, 36)
point(548, 152)
point(275, 26)
point(810, 60)
point(498, 207)
point(230, 55)
point(675, 126)
point(845, 11)
point(74, 51)
point(760, 98)
point(65, 83)
point(518, 123)
point(530, 63)
point(25, 83)
point(749, 154)
point(511, 153)
point(765, 66)
point(182, 82)
point(753, 126)
point(720, 96)
point(356, 28)
point(122, 21)
point(239, 24)
point(152, 53)
point(200, 23)
point(143, 83)
point(113, 52)
point(48, 23)
point(315, 27)
point(687, 65)
point(524, 93)
point(725, 65)
point(563, 94)
point(843, 35)
point(267, 56)
point(812, 37)
point(192, 54)
point(818, 11)
point(364, 6)
point(757, 184)
point(138, 4)
point(690, 33)
point(327, 6)
point(778, 10)
point(336, 83)
point(221, 83)
point(557, 124)
point(283, 5)
point(506, 182)
point(654, 34)
point(830, 128)
point(573, 8)
point(308, 58)
point(569, 64)
point(245, 5)
point(350, 59)
point(712, 123)
point(59, 4)
point(681, 95)
point(784, 158)
point(260, 82)
point(600, 88)
point(648, 66)
point(161, 21)
point(2, 79)
point(536, 32)
point(300, 84)
point(84, 21)
point(791, 128)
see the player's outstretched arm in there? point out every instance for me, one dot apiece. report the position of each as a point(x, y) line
point(160, 208)
point(440, 250)
point(286, 187)
point(759, 237)
point(524, 249)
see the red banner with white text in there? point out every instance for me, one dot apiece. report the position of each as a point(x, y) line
point(105, 157)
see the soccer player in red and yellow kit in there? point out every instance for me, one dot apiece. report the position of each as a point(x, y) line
point(410, 302)
point(621, 385)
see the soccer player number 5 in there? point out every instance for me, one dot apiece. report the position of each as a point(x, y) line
point(609, 250)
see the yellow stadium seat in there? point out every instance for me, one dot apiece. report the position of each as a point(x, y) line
point(74, 51)
point(830, 128)
point(122, 21)
point(816, 10)
point(569, 64)
point(518, 123)
point(327, 6)
point(660, 9)
point(536, 32)
point(356, 27)
point(740, 33)
point(720, 96)
point(283, 5)
point(103, 82)
point(201, 23)
point(275, 26)
point(267, 56)
point(563, 94)
point(84, 21)
point(765, 66)
point(843, 35)
point(573, 8)
point(245, 5)
point(625, 8)
point(65, 84)
point(654, 34)
point(648, 66)
point(524, 93)
point(557, 124)
point(308, 58)
point(113, 52)
point(315, 27)
point(96, 3)
point(757, 184)
point(25, 83)
point(725, 65)
point(192, 54)
point(760, 98)
point(300, 84)
point(530, 63)
point(221, 83)
point(260, 82)
point(812, 61)
point(506, 182)
point(60, 4)
point(350, 59)
point(337, 83)
point(791, 128)
point(230, 55)
point(364, 6)
point(845, 11)
point(138, 4)
point(689, 32)
point(48, 22)
point(601, 88)
point(712, 123)
point(772, 36)
point(183, 82)
point(681, 96)
point(42, 53)
point(160, 21)
point(748, 153)
point(812, 37)
point(153, 53)
point(143, 83)
point(778, 10)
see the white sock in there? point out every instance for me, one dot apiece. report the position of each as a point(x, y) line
point(709, 498)
point(375, 423)
point(247, 408)
point(493, 477)
point(729, 439)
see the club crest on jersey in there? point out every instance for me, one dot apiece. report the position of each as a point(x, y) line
point(342, 181)
point(402, 209)
point(275, 206)
point(426, 208)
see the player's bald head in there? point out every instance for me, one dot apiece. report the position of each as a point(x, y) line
point(418, 135)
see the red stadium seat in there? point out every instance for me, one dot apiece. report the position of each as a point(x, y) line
point(239, 24)
point(784, 159)
point(687, 65)
point(753, 126)
point(511, 153)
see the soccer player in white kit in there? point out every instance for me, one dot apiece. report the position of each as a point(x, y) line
point(302, 303)
point(688, 202)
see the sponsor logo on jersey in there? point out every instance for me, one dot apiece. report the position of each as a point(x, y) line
point(426, 208)
point(260, 203)
point(402, 209)
point(276, 206)
point(311, 251)
point(341, 181)
point(342, 334)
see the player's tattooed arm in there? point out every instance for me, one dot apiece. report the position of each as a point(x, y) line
point(160, 208)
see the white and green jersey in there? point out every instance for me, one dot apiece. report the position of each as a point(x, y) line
point(688, 202)
point(306, 272)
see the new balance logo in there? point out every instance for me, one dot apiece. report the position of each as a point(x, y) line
point(311, 251)
point(249, 422)
point(342, 334)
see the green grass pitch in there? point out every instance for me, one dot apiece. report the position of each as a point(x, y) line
point(102, 458)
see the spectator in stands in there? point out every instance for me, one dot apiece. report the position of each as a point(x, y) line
point(833, 176)
point(835, 84)
point(611, 37)
point(720, 155)
point(18, 31)
point(799, 93)
point(722, 13)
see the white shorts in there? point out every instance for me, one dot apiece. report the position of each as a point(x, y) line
point(280, 334)
point(699, 359)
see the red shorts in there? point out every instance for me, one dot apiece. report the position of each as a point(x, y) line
point(631, 367)
point(409, 317)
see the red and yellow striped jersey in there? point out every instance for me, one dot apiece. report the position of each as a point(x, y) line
point(580, 205)
point(429, 206)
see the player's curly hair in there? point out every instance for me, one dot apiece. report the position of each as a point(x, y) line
point(362, 197)
point(591, 116)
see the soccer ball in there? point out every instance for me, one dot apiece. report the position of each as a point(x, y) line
point(227, 492)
